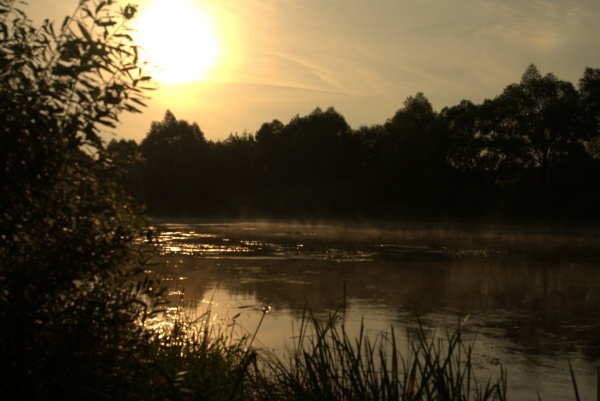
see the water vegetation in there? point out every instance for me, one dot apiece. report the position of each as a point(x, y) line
point(329, 364)
point(200, 360)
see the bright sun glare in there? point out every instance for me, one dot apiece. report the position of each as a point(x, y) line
point(179, 39)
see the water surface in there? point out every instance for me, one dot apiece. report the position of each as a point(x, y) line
point(528, 298)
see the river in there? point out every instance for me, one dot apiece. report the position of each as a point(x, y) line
point(529, 298)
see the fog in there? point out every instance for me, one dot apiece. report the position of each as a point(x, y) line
point(528, 298)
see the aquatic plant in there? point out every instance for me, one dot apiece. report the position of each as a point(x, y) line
point(200, 358)
point(326, 363)
point(576, 388)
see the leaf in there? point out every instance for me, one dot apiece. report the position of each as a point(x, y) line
point(50, 28)
point(65, 23)
point(107, 123)
point(129, 11)
point(106, 23)
point(82, 95)
point(62, 70)
point(85, 32)
point(71, 50)
point(138, 101)
point(100, 6)
point(574, 382)
point(88, 12)
point(132, 109)
point(124, 36)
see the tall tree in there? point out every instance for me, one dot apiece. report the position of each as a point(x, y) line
point(466, 145)
point(502, 147)
point(124, 156)
point(313, 142)
point(305, 158)
point(415, 150)
point(542, 111)
point(271, 157)
point(236, 170)
point(176, 175)
point(589, 89)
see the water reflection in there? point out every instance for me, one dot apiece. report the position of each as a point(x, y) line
point(532, 301)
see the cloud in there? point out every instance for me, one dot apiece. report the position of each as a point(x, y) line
point(285, 57)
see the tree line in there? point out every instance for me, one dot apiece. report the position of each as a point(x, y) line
point(530, 153)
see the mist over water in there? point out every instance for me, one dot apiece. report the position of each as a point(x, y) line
point(529, 299)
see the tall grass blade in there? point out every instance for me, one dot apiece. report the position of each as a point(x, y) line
point(574, 382)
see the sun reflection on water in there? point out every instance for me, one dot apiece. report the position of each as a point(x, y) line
point(243, 274)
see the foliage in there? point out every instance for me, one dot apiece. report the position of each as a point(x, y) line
point(542, 114)
point(303, 161)
point(530, 153)
point(413, 156)
point(127, 166)
point(174, 153)
point(71, 296)
point(196, 358)
point(325, 363)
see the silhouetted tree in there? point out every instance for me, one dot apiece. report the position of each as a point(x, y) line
point(466, 144)
point(176, 173)
point(534, 142)
point(314, 146)
point(589, 89)
point(70, 299)
point(304, 157)
point(271, 156)
point(127, 166)
point(237, 174)
point(374, 181)
point(504, 150)
point(542, 112)
point(414, 152)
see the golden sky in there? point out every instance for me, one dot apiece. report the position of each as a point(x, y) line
point(279, 58)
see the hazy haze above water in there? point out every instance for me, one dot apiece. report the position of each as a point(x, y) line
point(529, 298)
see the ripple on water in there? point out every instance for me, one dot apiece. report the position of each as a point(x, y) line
point(530, 317)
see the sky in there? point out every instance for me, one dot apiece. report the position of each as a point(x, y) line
point(282, 58)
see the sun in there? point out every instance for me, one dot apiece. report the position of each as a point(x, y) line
point(178, 37)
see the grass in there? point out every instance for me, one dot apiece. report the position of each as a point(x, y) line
point(199, 361)
point(576, 389)
point(326, 363)
point(193, 359)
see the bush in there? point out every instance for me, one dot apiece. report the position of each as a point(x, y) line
point(71, 293)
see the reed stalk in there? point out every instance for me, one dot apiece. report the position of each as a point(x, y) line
point(326, 363)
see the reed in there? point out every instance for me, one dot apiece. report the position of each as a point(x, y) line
point(194, 358)
point(326, 363)
point(576, 389)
